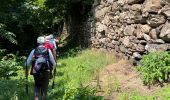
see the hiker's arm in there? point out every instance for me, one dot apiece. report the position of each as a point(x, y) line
point(51, 57)
point(54, 54)
point(30, 57)
point(54, 44)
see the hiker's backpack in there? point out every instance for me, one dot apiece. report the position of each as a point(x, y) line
point(41, 60)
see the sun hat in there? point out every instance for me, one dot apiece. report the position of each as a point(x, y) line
point(40, 40)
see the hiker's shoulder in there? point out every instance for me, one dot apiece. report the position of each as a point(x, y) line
point(32, 50)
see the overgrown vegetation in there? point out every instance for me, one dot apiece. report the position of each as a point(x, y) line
point(155, 68)
point(77, 71)
point(71, 81)
point(22, 21)
point(9, 65)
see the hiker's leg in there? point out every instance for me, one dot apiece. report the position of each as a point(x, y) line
point(44, 88)
point(37, 86)
point(37, 92)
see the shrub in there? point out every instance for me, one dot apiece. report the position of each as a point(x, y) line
point(2, 52)
point(9, 64)
point(155, 68)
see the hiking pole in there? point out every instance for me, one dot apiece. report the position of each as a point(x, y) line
point(54, 74)
point(54, 77)
point(26, 76)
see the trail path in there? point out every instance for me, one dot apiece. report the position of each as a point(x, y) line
point(120, 77)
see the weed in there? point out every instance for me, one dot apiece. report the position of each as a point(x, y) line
point(113, 84)
point(155, 68)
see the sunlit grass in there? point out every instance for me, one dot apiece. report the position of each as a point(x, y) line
point(74, 71)
point(161, 94)
point(71, 78)
point(84, 65)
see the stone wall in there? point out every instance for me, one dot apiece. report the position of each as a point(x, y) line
point(130, 28)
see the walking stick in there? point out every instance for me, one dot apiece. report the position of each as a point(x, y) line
point(26, 76)
point(54, 77)
point(54, 74)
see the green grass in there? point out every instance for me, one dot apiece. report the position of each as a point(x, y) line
point(79, 70)
point(161, 94)
point(14, 88)
point(84, 65)
point(74, 72)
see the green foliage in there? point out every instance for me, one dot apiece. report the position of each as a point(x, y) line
point(71, 53)
point(41, 2)
point(155, 67)
point(9, 66)
point(31, 18)
point(78, 69)
point(82, 93)
point(160, 94)
point(85, 64)
point(88, 2)
point(2, 52)
point(163, 94)
point(15, 88)
point(6, 34)
point(72, 81)
point(28, 18)
point(133, 95)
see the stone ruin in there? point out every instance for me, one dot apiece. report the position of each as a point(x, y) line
point(129, 28)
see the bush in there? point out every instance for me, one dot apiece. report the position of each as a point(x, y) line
point(155, 68)
point(2, 52)
point(9, 65)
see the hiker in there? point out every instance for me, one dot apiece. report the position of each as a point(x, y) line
point(57, 45)
point(50, 44)
point(42, 63)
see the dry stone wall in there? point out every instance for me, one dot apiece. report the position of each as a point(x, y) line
point(130, 28)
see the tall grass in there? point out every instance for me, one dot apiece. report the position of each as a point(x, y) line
point(74, 72)
point(77, 71)
point(84, 65)
point(14, 88)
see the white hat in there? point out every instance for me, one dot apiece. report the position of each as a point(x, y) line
point(40, 40)
point(49, 37)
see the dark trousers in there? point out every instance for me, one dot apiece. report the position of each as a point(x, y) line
point(41, 84)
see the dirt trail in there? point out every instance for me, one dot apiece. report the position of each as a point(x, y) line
point(118, 78)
